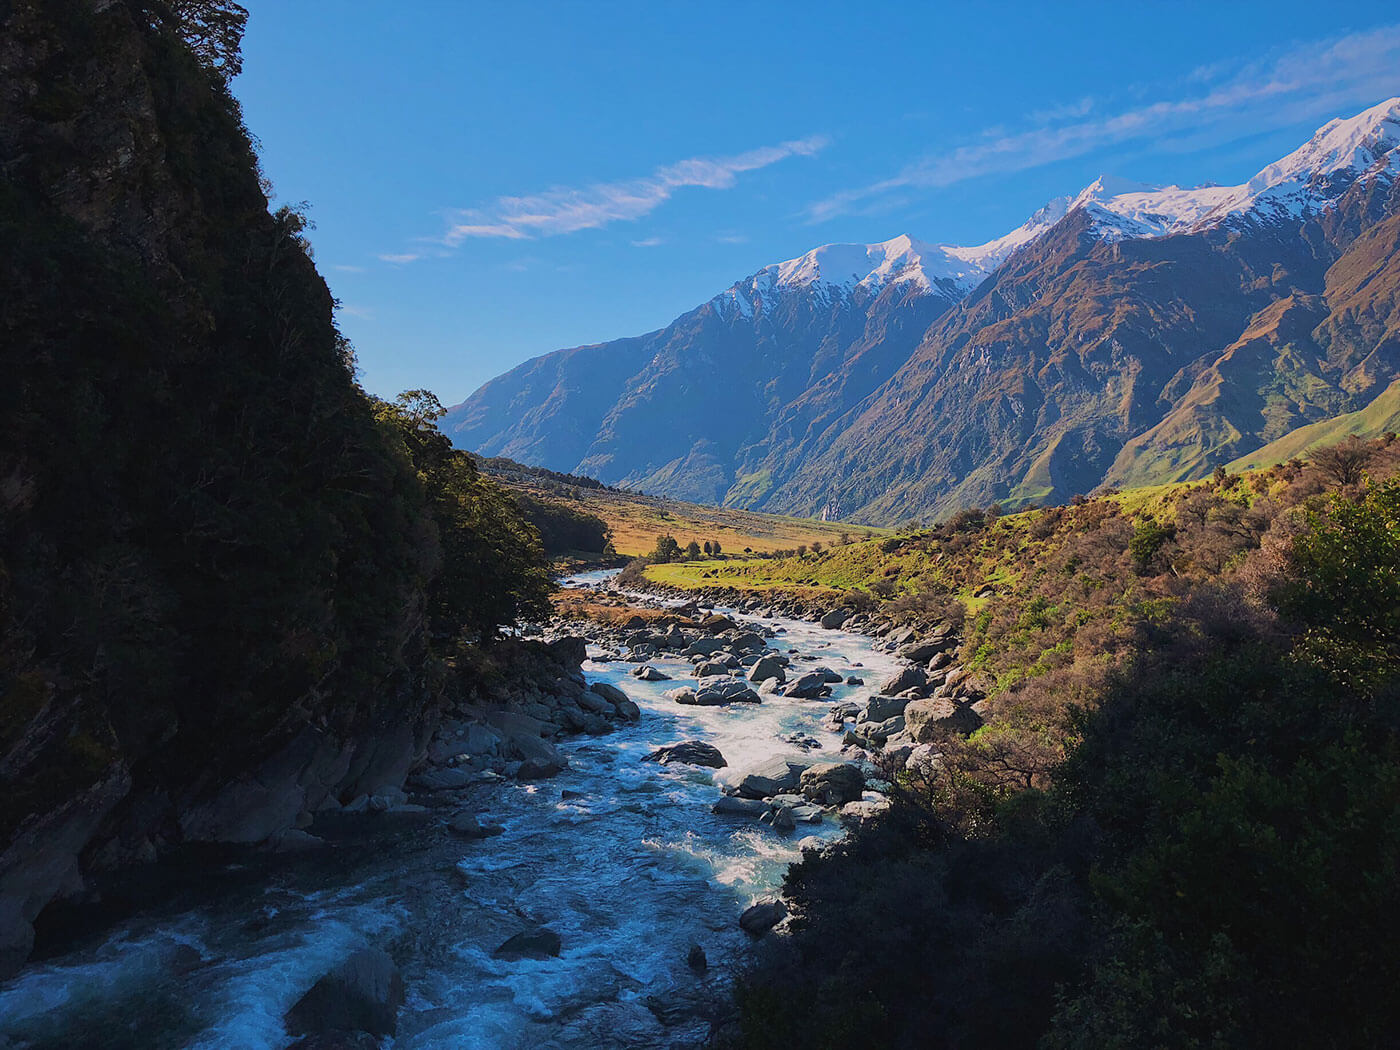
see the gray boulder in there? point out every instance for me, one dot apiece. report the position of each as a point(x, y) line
point(470, 827)
point(724, 689)
point(924, 651)
point(684, 695)
point(688, 752)
point(835, 618)
point(809, 686)
point(543, 943)
point(441, 779)
point(363, 994)
point(609, 692)
point(704, 647)
point(908, 678)
point(711, 668)
point(767, 667)
point(730, 806)
point(648, 673)
point(882, 707)
point(770, 778)
point(832, 783)
point(928, 720)
point(762, 917)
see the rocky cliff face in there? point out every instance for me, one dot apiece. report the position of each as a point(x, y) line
point(211, 564)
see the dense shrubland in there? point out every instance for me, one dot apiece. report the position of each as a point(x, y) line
point(1181, 825)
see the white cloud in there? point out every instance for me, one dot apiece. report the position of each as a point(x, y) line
point(343, 268)
point(401, 259)
point(1324, 78)
point(362, 312)
point(649, 242)
point(731, 238)
point(567, 210)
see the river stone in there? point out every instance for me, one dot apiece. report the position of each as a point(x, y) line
point(689, 752)
point(762, 917)
point(539, 769)
point(832, 783)
point(442, 779)
point(927, 720)
point(629, 710)
point(648, 673)
point(609, 692)
point(782, 819)
point(543, 943)
point(748, 641)
point(363, 994)
point(809, 686)
point(924, 651)
point(730, 806)
point(882, 707)
point(908, 678)
point(704, 647)
point(835, 618)
point(469, 827)
point(716, 623)
point(337, 1041)
point(770, 778)
point(767, 667)
point(595, 703)
point(711, 668)
point(828, 675)
point(724, 689)
point(570, 649)
point(684, 695)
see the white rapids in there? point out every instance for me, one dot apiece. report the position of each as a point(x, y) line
point(630, 870)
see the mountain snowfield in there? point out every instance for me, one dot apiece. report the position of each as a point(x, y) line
point(1304, 182)
point(798, 388)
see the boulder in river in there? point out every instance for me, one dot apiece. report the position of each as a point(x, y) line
point(832, 783)
point(717, 623)
point(711, 668)
point(689, 752)
point(470, 827)
point(684, 695)
point(724, 689)
point(648, 673)
point(695, 959)
point(609, 692)
point(835, 618)
point(759, 918)
point(923, 652)
point(730, 806)
point(362, 994)
point(704, 647)
point(542, 943)
point(809, 686)
point(767, 667)
point(770, 778)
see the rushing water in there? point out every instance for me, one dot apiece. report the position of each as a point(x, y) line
point(630, 870)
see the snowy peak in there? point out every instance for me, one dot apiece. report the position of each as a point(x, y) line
point(1304, 182)
point(1319, 171)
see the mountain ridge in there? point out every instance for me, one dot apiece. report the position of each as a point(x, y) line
point(798, 388)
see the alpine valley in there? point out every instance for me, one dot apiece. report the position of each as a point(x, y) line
point(1127, 335)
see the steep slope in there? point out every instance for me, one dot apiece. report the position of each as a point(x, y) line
point(1128, 334)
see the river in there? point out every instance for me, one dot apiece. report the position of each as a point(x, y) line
point(630, 869)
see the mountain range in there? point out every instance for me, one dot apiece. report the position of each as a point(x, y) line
point(1129, 334)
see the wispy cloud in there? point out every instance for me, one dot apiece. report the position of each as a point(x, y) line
point(1318, 79)
point(649, 242)
point(731, 238)
point(402, 258)
point(567, 210)
point(344, 268)
point(362, 312)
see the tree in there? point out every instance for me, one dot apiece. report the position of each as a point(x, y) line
point(715, 547)
point(709, 549)
point(1345, 461)
point(212, 30)
point(1149, 536)
point(666, 549)
point(692, 551)
point(816, 546)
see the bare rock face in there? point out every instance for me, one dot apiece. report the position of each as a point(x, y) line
point(762, 917)
point(927, 720)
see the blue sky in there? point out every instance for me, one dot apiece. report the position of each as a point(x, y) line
point(493, 181)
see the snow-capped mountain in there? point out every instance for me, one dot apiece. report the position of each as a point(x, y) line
point(1112, 335)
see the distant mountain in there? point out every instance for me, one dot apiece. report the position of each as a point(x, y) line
point(1127, 334)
